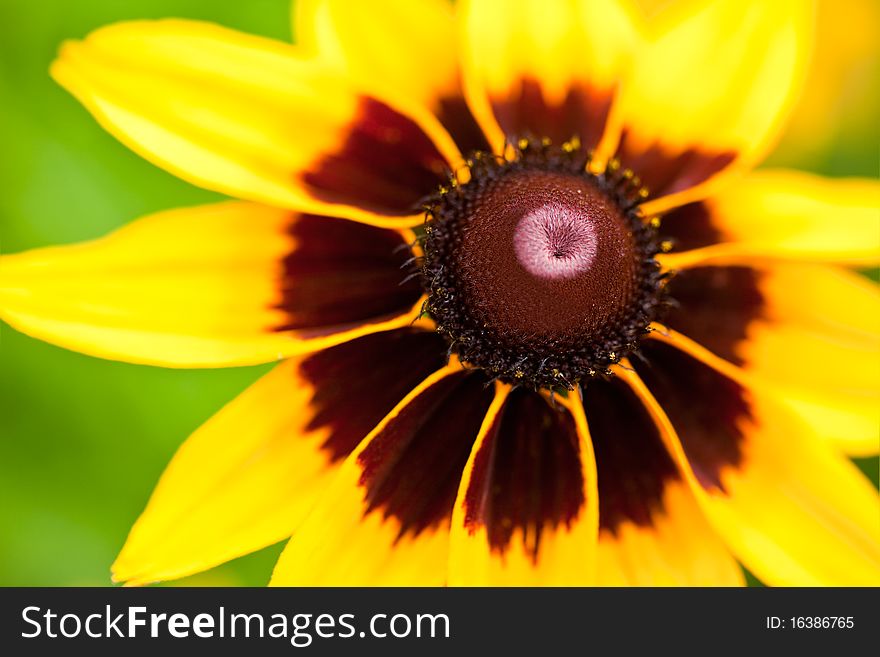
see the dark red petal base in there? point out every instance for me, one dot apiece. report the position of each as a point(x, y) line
point(708, 410)
point(386, 164)
point(357, 383)
point(341, 273)
point(413, 466)
point(715, 305)
point(527, 475)
point(632, 464)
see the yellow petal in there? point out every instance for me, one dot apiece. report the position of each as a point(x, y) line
point(785, 215)
point(388, 46)
point(526, 512)
point(810, 332)
point(709, 92)
point(254, 118)
point(789, 506)
point(651, 529)
point(837, 108)
point(546, 69)
point(680, 548)
point(248, 476)
point(211, 286)
point(385, 519)
point(192, 287)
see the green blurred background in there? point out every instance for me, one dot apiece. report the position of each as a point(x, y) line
point(84, 440)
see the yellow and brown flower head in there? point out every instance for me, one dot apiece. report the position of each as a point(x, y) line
point(538, 320)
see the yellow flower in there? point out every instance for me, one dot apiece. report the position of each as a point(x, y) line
point(499, 365)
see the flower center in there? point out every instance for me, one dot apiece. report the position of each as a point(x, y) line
point(537, 270)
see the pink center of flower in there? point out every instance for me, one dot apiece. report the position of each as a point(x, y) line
point(555, 242)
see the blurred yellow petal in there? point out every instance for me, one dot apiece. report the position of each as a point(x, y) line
point(248, 476)
point(526, 513)
point(189, 287)
point(652, 8)
point(385, 519)
point(241, 482)
point(212, 286)
point(780, 214)
point(840, 102)
point(810, 332)
point(838, 105)
point(792, 508)
point(680, 548)
point(546, 69)
point(254, 118)
point(651, 529)
point(388, 46)
point(709, 93)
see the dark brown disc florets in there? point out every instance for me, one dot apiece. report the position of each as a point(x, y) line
point(539, 271)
